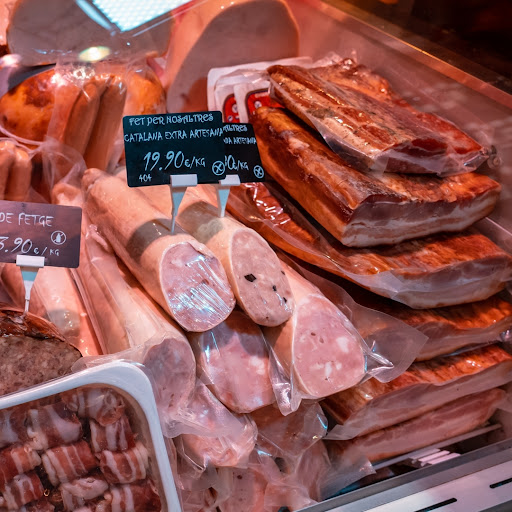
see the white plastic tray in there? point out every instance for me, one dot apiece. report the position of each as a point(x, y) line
point(129, 380)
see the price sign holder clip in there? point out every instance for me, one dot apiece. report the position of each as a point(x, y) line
point(179, 185)
point(222, 190)
point(29, 266)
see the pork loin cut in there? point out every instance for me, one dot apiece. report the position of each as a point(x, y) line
point(426, 386)
point(363, 210)
point(181, 274)
point(450, 420)
point(216, 34)
point(252, 267)
point(371, 131)
point(233, 360)
point(440, 270)
point(318, 346)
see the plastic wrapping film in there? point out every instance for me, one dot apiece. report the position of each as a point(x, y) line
point(448, 421)
point(79, 109)
point(55, 297)
point(391, 135)
point(181, 274)
point(231, 345)
point(423, 387)
point(452, 273)
point(103, 421)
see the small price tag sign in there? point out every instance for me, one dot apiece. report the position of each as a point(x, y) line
point(158, 146)
point(34, 229)
point(241, 152)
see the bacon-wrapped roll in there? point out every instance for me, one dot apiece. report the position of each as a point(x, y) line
point(101, 404)
point(139, 497)
point(22, 489)
point(12, 427)
point(53, 425)
point(42, 505)
point(67, 463)
point(76, 494)
point(125, 467)
point(115, 437)
point(16, 460)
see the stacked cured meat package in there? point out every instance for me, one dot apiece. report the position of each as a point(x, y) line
point(347, 310)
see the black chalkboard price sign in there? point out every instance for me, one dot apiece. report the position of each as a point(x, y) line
point(241, 152)
point(158, 146)
point(37, 229)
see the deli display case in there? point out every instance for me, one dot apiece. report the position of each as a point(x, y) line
point(340, 338)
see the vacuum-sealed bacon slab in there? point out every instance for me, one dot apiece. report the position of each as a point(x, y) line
point(436, 271)
point(372, 132)
point(233, 361)
point(428, 385)
point(450, 420)
point(319, 349)
point(181, 274)
point(450, 328)
point(364, 210)
point(347, 73)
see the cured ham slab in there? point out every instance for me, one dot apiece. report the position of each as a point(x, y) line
point(319, 348)
point(370, 131)
point(251, 265)
point(436, 271)
point(426, 386)
point(181, 274)
point(234, 361)
point(364, 210)
point(450, 420)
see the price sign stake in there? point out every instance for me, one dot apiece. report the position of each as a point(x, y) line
point(242, 161)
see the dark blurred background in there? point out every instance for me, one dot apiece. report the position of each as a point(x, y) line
point(480, 30)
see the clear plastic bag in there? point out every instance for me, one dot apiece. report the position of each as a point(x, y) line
point(369, 124)
point(436, 271)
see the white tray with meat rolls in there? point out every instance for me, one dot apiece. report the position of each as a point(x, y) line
point(90, 441)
